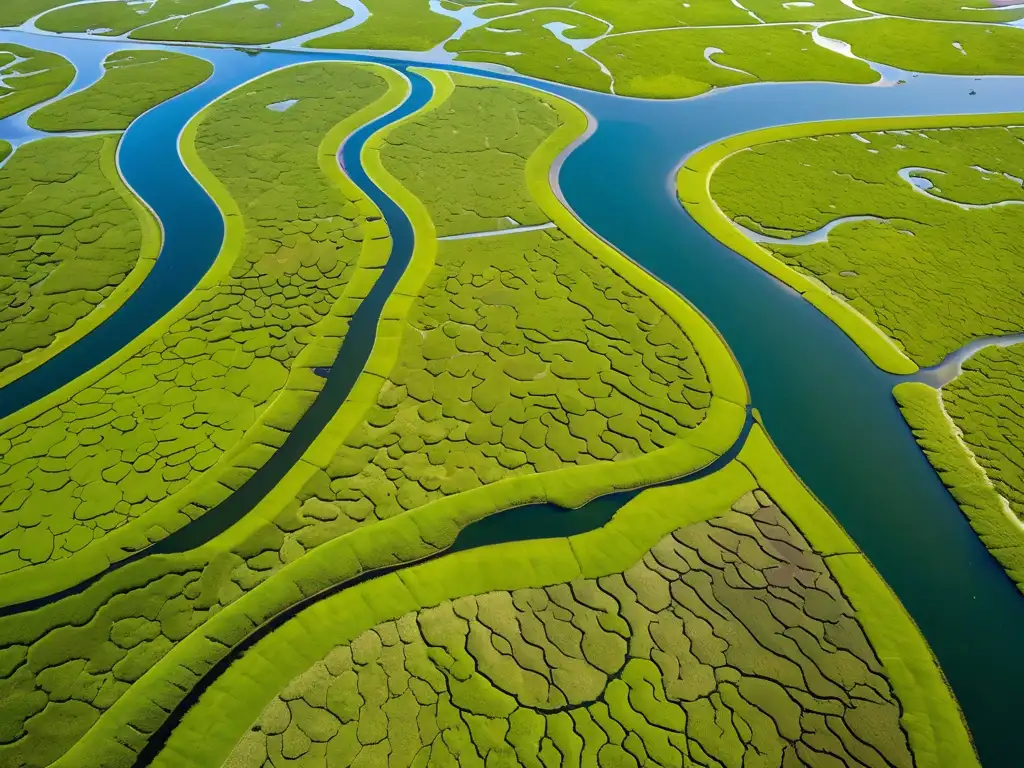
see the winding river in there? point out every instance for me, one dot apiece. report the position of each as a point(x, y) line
point(825, 404)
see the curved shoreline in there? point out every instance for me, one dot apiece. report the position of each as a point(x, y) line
point(150, 243)
point(693, 179)
point(913, 670)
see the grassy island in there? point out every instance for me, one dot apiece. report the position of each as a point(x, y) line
point(29, 77)
point(133, 82)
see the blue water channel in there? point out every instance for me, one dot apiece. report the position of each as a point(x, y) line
point(825, 404)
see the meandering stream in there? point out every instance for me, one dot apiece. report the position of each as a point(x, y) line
point(825, 404)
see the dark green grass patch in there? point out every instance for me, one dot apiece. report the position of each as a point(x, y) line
point(117, 18)
point(401, 25)
point(944, 48)
point(710, 650)
point(30, 77)
point(251, 23)
point(672, 63)
point(163, 414)
point(987, 403)
point(68, 238)
point(133, 82)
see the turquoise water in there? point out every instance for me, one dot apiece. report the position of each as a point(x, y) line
point(828, 408)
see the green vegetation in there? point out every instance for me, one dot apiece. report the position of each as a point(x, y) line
point(522, 42)
point(672, 63)
point(117, 18)
point(510, 355)
point(184, 415)
point(248, 23)
point(645, 14)
point(266, 21)
point(400, 25)
point(986, 402)
point(943, 10)
point(683, 632)
point(15, 12)
point(133, 82)
point(653, 48)
point(75, 243)
point(773, 11)
point(926, 46)
point(28, 77)
point(944, 442)
point(907, 273)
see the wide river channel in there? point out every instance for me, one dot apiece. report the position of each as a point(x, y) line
point(829, 409)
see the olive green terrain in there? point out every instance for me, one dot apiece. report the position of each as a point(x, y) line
point(248, 24)
point(651, 48)
point(673, 64)
point(401, 25)
point(926, 46)
point(28, 77)
point(118, 18)
point(133, 82)
point(728, 643)
point(165, 414)
point(986, 402)
point(220, 383)
point(973, 433)
point(536, 51)
point(70, 233)
point(944, 10)
point(527, 358)
point(931, 273)
point(15, 12)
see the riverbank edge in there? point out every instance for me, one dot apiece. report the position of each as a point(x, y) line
point(984, 508)
point(936, 731)
point(936, 727)
point(150, 242)
point(298, 392)
point(693, 179)
point(23, 98)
